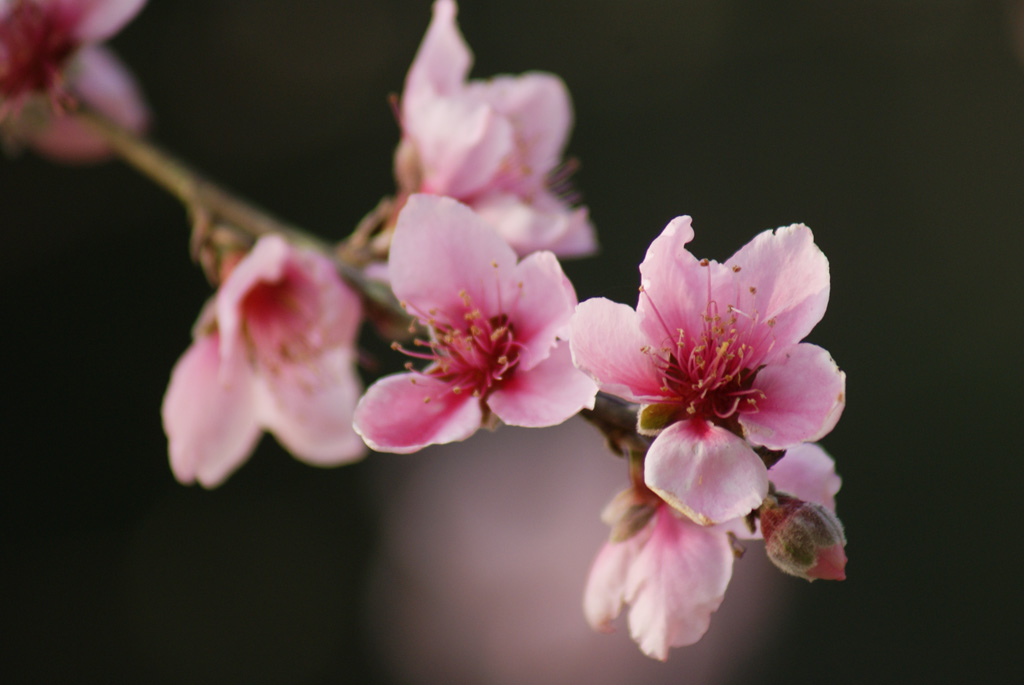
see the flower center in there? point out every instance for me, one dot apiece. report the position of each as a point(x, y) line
point(474, 354)
point(281, 323)
point(35, 43)
point(709, 372)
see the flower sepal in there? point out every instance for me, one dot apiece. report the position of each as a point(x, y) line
point(653, 418)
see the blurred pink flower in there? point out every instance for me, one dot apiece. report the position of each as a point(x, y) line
point(274, 350)
point(500, 568)
point(50, 59)
point(713, 353)
point(495, 145)
point(492, 324)
point(673, 573)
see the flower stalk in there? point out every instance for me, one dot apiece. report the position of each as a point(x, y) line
point(211, 205)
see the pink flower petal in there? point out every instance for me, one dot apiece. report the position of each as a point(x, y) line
point(102, 82)
point(808, 473)
point(405, 412)
point(265, 263)
point(676, 582)
point(209, 414)
point(605, 592)
point(607, 344)
point(790, 274)
point(440, 249)
point(463, 164)
point(705, 472)
point(675, 286)
point(101, 19)
point(539, 307)
point(541, 110)
point(805, 393)
point(579, 238)
point(64, 139)
point(442, 61)
point(309, 408)
point(542, 223)
point(546, 395)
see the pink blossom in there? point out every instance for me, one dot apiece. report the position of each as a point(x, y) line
point(673, 572)
point(495, 145)
point(713, 353)
point(50, 60)
point(493, 326)
point(273, 351)
point(673, 575)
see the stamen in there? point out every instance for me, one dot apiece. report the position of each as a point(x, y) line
point(472, 354)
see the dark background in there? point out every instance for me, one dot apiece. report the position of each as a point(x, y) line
point(894, 129)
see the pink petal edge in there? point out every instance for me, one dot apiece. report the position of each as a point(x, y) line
point(805, 393)
point(395, 416)
point(548, 394)
point(705, 472)
point(208, 415)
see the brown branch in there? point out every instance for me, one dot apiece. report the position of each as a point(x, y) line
point(204, 198)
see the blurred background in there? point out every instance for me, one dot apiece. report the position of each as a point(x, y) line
point(894, 130)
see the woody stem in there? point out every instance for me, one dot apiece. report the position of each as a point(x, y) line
point(202, 196)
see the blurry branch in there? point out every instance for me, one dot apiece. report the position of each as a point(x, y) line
point(616, 418)
point(212, 205)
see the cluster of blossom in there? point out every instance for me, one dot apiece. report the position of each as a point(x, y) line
point(728, 399)
point(50, 61)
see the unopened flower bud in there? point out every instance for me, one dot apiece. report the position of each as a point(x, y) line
point(803, 539)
